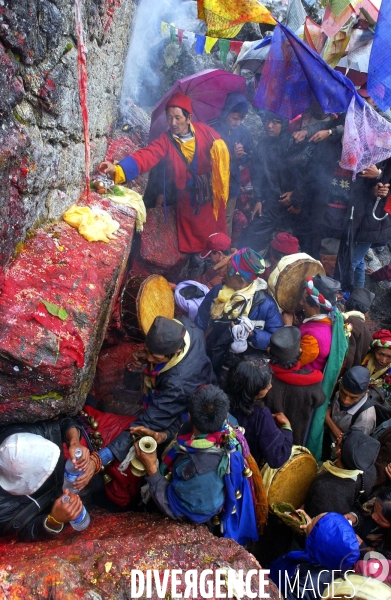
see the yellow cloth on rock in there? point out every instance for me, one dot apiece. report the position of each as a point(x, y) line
point(225, 18)
point(133, 200)
point(228, 296)
point(94, 225)
point(220, 174)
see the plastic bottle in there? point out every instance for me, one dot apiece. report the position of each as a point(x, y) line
point(71, 473)
point(83, 520)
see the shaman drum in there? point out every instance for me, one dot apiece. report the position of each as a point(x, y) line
point(141, 301)
point(154, 299)
point(286, 281)
point(291, 482)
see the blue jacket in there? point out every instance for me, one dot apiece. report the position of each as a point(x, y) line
point(266, 310)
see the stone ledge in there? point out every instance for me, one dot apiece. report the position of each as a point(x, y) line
point(57, 265)
point(97, 563)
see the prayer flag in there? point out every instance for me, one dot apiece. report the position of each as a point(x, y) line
point(163, 28)
point(224, 49)
point(210, 42)
point(295, 15)
point(235, 46)
point(180, 35)
point(189, 38)
point(172, 33)
point(200, 43)
point(314, 35)
point(225, 18)
point(379, 74)
point(294, 76)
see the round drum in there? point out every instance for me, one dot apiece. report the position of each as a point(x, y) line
point(154, 299)
point(128, 306)
point(286, 281)
point(291, 482)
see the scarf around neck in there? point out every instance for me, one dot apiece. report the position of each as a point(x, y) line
point(296, 376)
point(227, 297)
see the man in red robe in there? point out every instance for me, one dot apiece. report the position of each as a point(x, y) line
point(197, 161)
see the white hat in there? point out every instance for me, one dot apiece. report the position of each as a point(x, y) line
point(26, 462)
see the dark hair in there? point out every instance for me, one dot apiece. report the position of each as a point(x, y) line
point(314, 304)
point(352, 304)
point(277, 255)
point(180, 349)
point(384, 499)
point(285, 364)
point(185, 112)
point(208, 408)
point(245, 381)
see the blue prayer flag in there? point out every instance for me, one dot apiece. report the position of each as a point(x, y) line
point(379, 71)
point(200, 43)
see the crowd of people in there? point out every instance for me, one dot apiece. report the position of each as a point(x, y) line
point(234, 383)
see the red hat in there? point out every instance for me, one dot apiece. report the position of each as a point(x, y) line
point(180, 100)
point(216, 242)
point(285, 243)
point(381, 338)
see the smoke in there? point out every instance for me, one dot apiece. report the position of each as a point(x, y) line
point(142, 79)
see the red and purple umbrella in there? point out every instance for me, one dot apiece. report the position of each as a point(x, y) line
point(207, 90)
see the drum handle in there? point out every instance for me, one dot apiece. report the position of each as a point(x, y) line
point(246, 300)
point(374, 210)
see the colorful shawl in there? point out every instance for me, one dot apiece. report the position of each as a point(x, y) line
point(296, 376)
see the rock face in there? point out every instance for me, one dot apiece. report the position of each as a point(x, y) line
point(47, 363)
point(97, 563)
point(41, 136)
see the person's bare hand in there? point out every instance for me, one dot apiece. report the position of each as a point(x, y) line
point(108, 168)
point(139, 358)
point(159, 200)
point(351, 518)
point(239, 150)
point(148, 460)
point(287, 318)
point(381, 190)
point(158, 436)
point(319, 136)
point(68, 511)
point(281, 419)
point(285, 199)
point(299, 136)
point(371, 172)
point(388, 470)
point(86, 477)
point(293, 210)
point(82, 463)
point(257, 210)
point(369, 271)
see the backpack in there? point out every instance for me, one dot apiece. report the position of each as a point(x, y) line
point(383, 412)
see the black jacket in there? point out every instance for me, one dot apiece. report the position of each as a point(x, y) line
point(172, 389)
point(11, 505)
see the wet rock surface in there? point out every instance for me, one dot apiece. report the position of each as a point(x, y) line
point(47, 366)
point(41, 136)
point(97, 563)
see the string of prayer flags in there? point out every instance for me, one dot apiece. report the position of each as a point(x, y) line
point(203, 43)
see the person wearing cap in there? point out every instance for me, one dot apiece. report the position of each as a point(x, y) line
point(197, 160)
point(350, 398)
point(356, 309)
point(363, 92)
point(177, 366)
point(319, 298)
point(284, 244)
point(351, 477)
point(295, 391)
point(239, 143)
point(277, 194)
point(32, 474)
point(378, 359)
point(242, 295)
point(217, 251)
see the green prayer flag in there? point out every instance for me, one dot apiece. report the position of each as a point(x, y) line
point(224, 49)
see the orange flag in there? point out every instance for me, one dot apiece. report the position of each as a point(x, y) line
point(225, 18)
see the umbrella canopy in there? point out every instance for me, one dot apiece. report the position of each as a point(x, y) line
point(207, 90)
point(255, 57)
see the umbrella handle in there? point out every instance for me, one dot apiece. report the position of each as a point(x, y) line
point(374, 210)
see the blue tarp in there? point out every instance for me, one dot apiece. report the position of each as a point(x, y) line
point(294, 75)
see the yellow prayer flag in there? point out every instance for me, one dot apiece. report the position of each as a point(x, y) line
point(209, 43)
point(163, 27)
point(225, 18)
